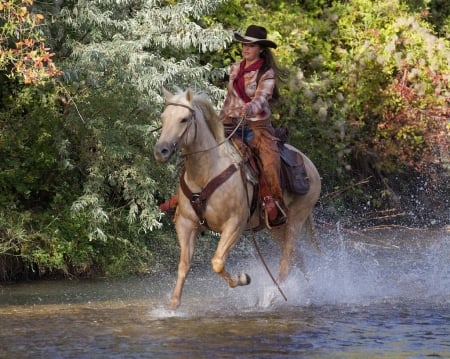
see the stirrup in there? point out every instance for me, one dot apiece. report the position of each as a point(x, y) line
point(281, 209)
point(280, 219)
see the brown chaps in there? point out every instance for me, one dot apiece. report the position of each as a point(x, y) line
point(265, 146)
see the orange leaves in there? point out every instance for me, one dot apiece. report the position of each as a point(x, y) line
point(5, 5)
point(36, 63)
point(25, 43)
point(29, 59)
point(22, 12)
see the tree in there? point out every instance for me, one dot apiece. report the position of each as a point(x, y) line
point(123, 53)
point(97, 131)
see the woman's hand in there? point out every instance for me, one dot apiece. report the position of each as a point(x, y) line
point(245, 111)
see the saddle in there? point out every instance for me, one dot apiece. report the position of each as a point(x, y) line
point(293, 176)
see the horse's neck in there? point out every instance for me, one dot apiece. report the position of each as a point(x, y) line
point(201, 168)
point(205, 158)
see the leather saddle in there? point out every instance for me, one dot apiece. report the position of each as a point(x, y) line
point(293, 176)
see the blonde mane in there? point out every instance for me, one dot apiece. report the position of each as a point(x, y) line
point(202, 102)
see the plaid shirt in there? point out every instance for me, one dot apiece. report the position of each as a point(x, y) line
point(260, 93)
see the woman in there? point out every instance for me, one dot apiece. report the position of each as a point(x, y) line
point(252, 85)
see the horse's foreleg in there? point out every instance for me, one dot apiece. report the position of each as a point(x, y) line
point(187, 243)
point(227, 241)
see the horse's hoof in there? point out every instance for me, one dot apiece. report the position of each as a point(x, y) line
point(239, 280)
point(244, 279)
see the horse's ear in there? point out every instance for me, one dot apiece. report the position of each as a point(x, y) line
point(167, 94)
point(189, 95)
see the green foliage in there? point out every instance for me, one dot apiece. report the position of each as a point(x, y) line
point(345, 103)
point(143, 44)
point(25, 140)
point(436, 12)
point(36, 183)
point(366, 96)
point(393, 52)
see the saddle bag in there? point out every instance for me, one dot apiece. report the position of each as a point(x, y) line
point(293, 172)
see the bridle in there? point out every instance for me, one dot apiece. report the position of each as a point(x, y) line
point(193, 119)
point(191, 110)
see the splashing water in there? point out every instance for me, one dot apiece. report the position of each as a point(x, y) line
point(383, 294)
point(359, 272)
point(387, 266)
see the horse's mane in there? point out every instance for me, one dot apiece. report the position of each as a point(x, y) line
point(201, 101)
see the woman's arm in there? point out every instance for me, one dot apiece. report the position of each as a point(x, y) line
point(263, 93)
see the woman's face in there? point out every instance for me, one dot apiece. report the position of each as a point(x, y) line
point(250, 52)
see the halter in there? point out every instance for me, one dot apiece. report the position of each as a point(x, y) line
point(181, 105)
point(191, 110)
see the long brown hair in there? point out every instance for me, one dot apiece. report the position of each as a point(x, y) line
point(270, 63)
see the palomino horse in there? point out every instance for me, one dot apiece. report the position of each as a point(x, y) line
point(190, 124)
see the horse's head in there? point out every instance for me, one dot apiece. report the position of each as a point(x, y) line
point(177, 119)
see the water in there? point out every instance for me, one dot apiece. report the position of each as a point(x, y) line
point(381, 295)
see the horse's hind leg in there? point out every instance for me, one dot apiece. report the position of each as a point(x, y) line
point(292, 233)
point(186, 239)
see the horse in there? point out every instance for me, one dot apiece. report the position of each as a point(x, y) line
point(191, 126)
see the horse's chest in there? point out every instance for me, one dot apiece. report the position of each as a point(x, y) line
point(215, 187)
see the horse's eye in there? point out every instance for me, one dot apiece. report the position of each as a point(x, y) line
point(184, 120)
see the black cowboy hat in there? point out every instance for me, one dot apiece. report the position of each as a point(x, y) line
point(255, 35)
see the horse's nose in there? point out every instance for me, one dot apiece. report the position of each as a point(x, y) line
point(162, 152)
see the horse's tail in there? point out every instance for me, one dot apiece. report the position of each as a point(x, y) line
point(311, 233)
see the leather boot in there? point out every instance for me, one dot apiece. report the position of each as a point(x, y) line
point(169, 207)
point(281, 217)
point(275, 214)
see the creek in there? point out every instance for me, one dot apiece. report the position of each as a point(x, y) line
point(383, 295)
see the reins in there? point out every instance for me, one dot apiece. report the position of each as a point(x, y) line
point(267, 267)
